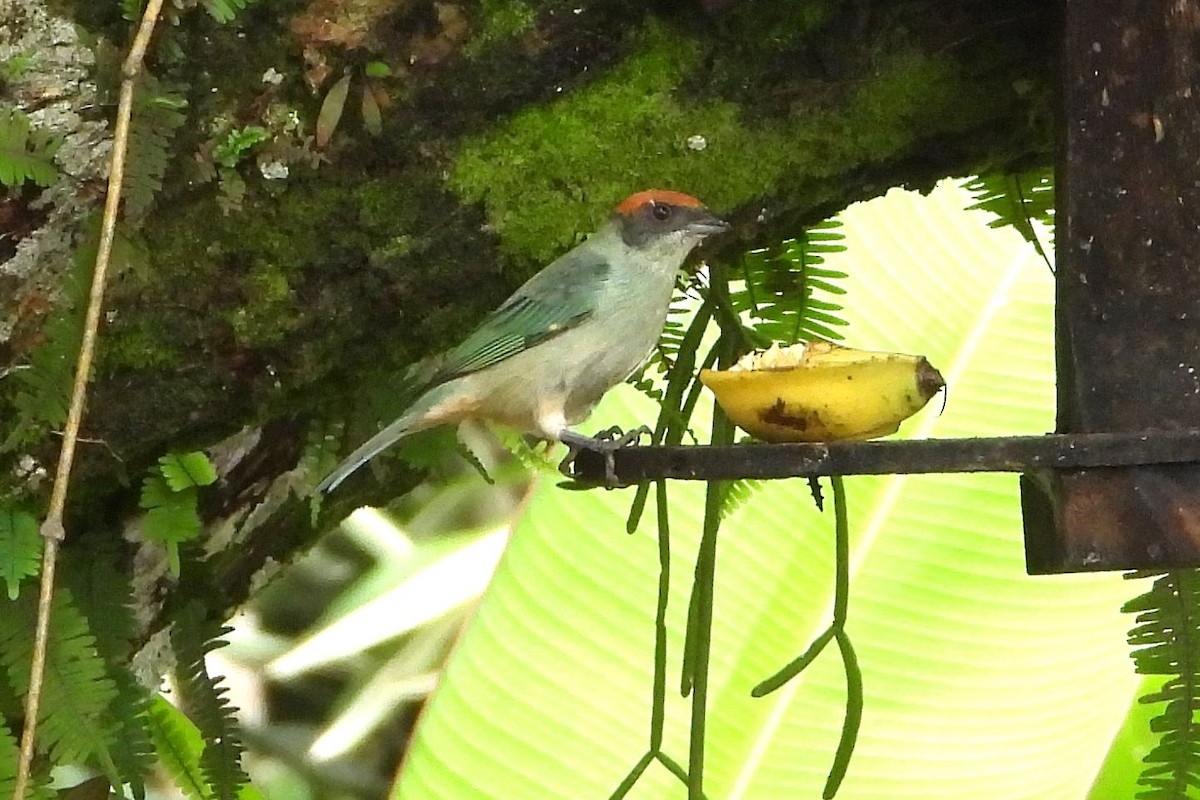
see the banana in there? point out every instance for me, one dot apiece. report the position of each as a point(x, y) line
point(822, 392)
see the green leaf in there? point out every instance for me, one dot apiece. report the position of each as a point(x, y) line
point(1166, 637)
point(1017, 200)
point(238, 144)
point(157, 117)
point(224, 11)
point(45, 389)
point(13, 67)
point(170, 501)
point(439, 579)
point(155, 492)
point(231, 190)
point(980, 682)
point(131, 10)
point(331, 110)
point(779, 286)
point(9, 755)
point(173, 524)
point(25, 154)
point(377, 69)
point(76, 691)
point(171, 516)
point(179, 747)
point(187, 470)
point(20, 548)
point(193, 637)
point(372, 117)
point(101, 591)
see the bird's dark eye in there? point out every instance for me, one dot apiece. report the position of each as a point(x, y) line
point(660, 211)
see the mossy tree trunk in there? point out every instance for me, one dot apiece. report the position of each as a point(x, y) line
point(273, 289)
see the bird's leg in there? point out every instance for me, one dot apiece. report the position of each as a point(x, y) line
point(606, 443)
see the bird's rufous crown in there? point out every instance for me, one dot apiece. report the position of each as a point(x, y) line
point(635, 201)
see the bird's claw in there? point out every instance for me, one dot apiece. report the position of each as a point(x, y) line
point(616, 438)
point(606, 443)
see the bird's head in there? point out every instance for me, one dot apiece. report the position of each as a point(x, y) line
point(658, 218)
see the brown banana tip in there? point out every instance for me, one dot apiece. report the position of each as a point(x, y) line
point(929, 380)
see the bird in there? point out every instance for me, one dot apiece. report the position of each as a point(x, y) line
point(586, 322)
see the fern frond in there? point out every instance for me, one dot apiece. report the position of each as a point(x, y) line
point(179, 746)
point(193, 638)
point(1166, 641)
point(528, 455)
point(9, 755)
point(187, 470)
point(16, 65)
point(169, 495)
point(103, 595)
point(157, 115)
point(44, 387)
point(225, 10)
point(25, 154)
point(231, 190)
point(674, 329)
point(780, 286)
point(238, 143)
point(131, 10)
point(1017, 199)
point(171, 518)
point(735, 494)
point(20, 548)
point(133, 751)
point(649, 387)
point(76, 690)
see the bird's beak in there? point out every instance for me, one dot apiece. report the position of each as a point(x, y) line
point(706, 224)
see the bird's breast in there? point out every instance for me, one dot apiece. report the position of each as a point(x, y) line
point(573, 370)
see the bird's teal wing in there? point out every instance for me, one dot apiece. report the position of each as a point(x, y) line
point(554, 301)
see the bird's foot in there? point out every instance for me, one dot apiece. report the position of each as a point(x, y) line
point(615, 438)
point(606, 443)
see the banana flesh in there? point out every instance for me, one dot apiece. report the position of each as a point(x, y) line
point(823, 392)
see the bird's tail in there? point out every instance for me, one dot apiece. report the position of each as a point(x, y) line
point(413, 420)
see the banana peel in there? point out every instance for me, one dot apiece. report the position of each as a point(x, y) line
point(823, 392)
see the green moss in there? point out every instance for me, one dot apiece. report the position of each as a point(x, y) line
point(269, 313)
point(293, 277)
point(551, 171)
point(139, 347)
point(381, 206)
point(763, 28)
point(500, 20)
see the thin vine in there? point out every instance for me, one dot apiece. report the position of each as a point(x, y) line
point(52, 529)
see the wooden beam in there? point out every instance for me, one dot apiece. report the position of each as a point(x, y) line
point(1128, 284)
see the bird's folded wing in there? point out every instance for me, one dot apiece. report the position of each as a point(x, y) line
point(554, 301)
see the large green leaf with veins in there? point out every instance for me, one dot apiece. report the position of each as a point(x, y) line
point(981, 682)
